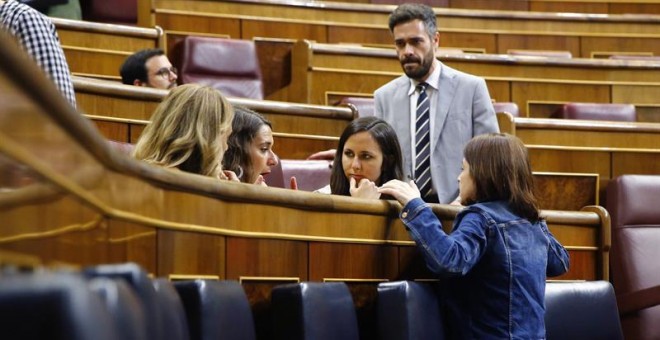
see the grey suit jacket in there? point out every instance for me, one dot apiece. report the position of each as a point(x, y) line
point(463, 110)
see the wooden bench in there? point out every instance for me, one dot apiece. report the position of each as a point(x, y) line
point(572, 6)
point(494, 31)
point(122, 111)
point(95, 49)
point(537, 85)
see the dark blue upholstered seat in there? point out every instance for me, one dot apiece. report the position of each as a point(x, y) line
point(173, 316)
point(141, 284)
point(313, 311)
point(123, 305)
point(408, 310)
point(574, 310)
point(217, 310)
point(52, 306)
point(581, 310)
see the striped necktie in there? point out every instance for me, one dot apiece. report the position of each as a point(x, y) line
point(423, 142)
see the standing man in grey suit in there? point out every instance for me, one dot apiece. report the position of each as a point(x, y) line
point(457, 105)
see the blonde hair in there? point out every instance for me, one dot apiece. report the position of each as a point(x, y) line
point(188, 131)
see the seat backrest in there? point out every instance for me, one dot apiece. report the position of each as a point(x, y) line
point(173, 316)
point(365, 106)
point(141, 284)
point(597, 111)
point(113, 12)
point(216, 310)
point(581, 310)
point(310, 174)
point(313, 310)
point(123, 305)
point(408, 310)
point(541, 53)
point(509, 107)
point(631, 201)
point(122, 147)
point(52, 306)
point(653, 58)
point(229, 65)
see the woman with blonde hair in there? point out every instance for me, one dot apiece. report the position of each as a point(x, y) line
point(188, 131)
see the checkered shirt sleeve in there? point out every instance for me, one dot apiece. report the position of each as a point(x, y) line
point(38, 36)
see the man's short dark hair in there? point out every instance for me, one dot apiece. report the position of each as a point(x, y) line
point(134, 66)
point(408, 12)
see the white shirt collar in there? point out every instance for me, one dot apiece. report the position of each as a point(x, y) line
point(432, 80)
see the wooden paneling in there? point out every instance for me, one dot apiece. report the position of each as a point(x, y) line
point(192, 22)
point(133, 106)
point(254, 258)
point(536, 85)
point(490, 4)
point(539, 42)
point(566, 191)
point(336, 23)
point(607, 163)
point(100, 49)
point(571, 7)
point(206, 257)
point(594, 134)
point(113, 130)
point(287, 30)
point(593, 44)
point(355, 262)
point(551, 6)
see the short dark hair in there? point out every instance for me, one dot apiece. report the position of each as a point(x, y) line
point(499, 165)
point(386, 138)
point(134, 66)
point(244, 129)
point(408, 12)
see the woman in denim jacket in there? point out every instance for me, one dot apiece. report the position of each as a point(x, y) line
point(500, 250)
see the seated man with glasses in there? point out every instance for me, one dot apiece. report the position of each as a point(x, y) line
point(149, 67)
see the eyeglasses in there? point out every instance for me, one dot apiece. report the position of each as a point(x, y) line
point(165, 72)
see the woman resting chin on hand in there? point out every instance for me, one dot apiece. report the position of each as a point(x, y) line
point(368, 154)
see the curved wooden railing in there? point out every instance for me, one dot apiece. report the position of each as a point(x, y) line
point(68, 197)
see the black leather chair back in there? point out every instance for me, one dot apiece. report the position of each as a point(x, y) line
point(216, 310)
point(581, 310)
point(141, 284)
point(124, 306)
point(173, 316)
point(313, 311)
point(52, 306)
point(407, 311)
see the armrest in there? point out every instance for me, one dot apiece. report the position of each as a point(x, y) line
point(636, 301)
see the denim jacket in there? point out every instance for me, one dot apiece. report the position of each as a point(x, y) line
point(497, 265)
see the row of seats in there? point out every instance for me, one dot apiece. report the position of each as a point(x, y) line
point(365, 106)
point(122, 302)
point(232, 66)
